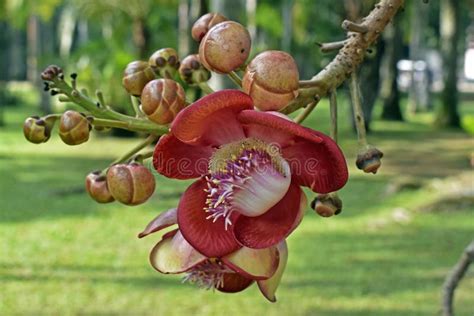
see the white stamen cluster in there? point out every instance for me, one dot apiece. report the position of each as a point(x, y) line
point(207, 275)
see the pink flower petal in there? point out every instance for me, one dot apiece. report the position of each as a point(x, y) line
point(175, 159)
point(269, 287)
point(272, 227)
point(234, 282)
point(255, 264)
point(208, 237)
point(270, 135)
point(321, 167)
point(163, 220)
point(173, 254)
point(212, 119)
point(278, 124)
point(264, 188)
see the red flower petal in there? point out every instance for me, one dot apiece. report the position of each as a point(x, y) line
point(208, 237)
point(175, 159)
point(212, 119)
point(269, 134)
point(276, 224)
point(321, 167)
point(234, 282)
point(173, 254)
point(279, 124)
point(256, 264)
point(163, 220)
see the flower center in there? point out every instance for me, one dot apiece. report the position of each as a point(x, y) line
point(248, 176)
point(208, 274)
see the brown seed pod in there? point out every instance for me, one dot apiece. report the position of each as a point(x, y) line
point(135, 76)
point(369, 159)
point(96, 186)
point(327, 205)
point(37, 130)
point(130, 184)
point(162, 99)
point(204, 23)
point(225, 47)
point(192, 71)
point(74, 128)
point(51, 72)
point(272, 80)
point(164, 62)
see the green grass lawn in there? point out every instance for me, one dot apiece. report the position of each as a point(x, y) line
point(62, 254)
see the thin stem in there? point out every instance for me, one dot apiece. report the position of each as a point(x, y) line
point(333, 111)
point(143, 156)
point(140, 126)
point(331, 46)
point(306, 112)
point(358, 113)
point(136, 106)
point(129, 122)
point(129, 154)
point(205, 88)
point(235, 78)
point(100, 97)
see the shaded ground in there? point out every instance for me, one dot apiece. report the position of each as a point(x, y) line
point(382, 256)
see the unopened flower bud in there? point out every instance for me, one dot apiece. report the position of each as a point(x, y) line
point(135, 76)
point(327, 205)
point(369, 159)
point(192, 71)
point(165, 62)
point(51, 72)
point(162, 99)
point(130, 184)
point(96, 186)
point(204, 23)
point(74, 128)
point(37, 130)
point(225, 47)
point(272, 80)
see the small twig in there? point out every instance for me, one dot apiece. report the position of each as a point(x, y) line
point(136, 106)
point(129, 154)
point(358, 112)
point(354, 27)
point(454, 277)
point(100, 97)
point(205, 88)
point(141, 126)
point(307, 111)
point(333, 111)
point(332, 46)
point(235, 78)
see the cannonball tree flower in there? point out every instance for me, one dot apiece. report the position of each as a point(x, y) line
point(250, 166)
point(232, 273)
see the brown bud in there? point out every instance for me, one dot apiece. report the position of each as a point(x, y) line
point(130, 184)
point(37, 130)
point(51, 72)
point(74, 128)
point(204, 23)
point(96, 186)
point(327, 205)
point(165, 62)
point(272, 80)
point(135, 76)
point(192, 71)
point(225, 47)
point(369, 159)
point(162, 99)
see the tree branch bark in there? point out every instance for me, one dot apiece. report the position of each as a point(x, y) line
point(454, 277)
point(351, 54)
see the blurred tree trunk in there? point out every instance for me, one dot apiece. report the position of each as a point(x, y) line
point(184, 30)
point(417, 98)
point(198, 9)
point(251, 9)
point(141, 37)
point(389, 91)
point(33, 52)
point(287, 10)
point(447, 114)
